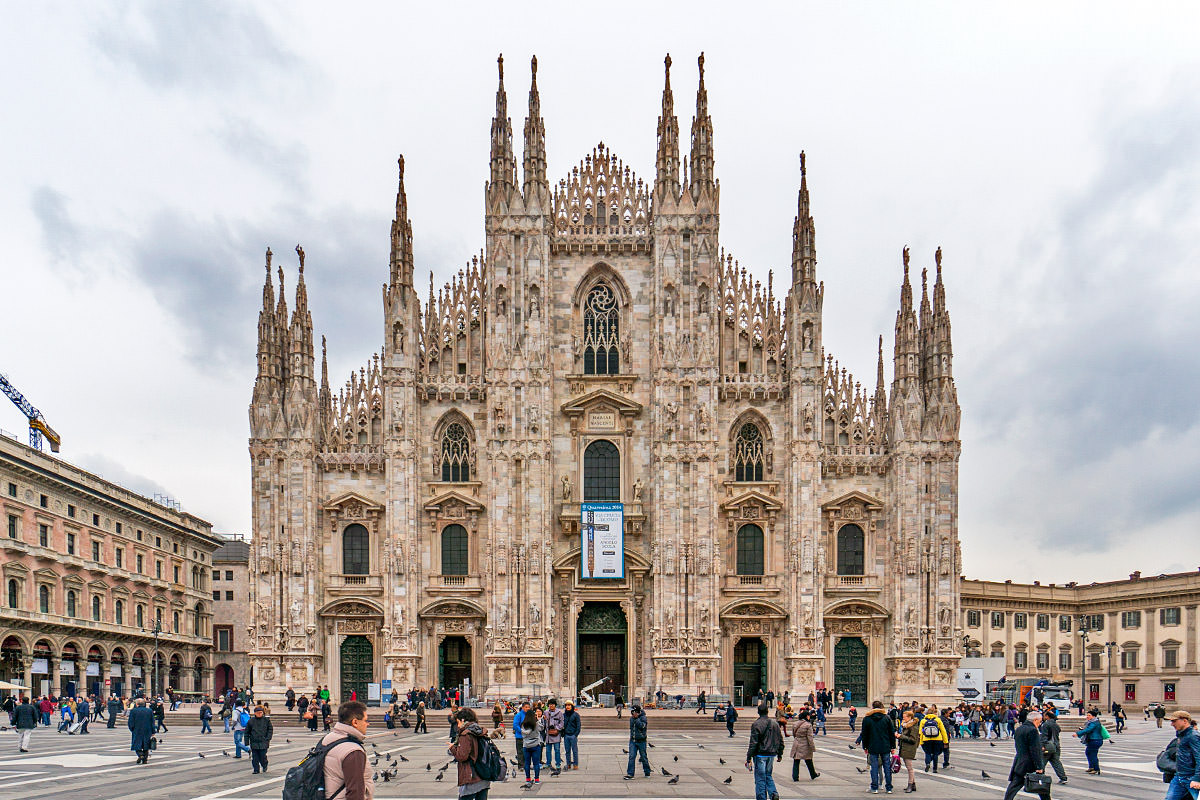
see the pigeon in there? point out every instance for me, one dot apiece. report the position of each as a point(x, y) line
point(401, 757)
point(849, 747)
point(555, 772)
point(429, 767)
point(623, 750)
point(674, 780)
point(721, 760)
point(375, 777)
point(991, 744)
point(440, 775)
point(375, 762)
point(985, 775)
point(675, 757)
point(700, 746)
point(395, 734)
point(728, 780)
point(386, 776)
point(860, 770)
point(664, 772)
point(650, 745)
point(289, 741)
point(200, 754)
point(373, 745)
point(527, 785)
point(225, 753)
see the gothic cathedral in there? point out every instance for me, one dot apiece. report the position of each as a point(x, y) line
point(780, 527)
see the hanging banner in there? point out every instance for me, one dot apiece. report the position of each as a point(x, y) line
point(41, 666)
point(602, 540)
point(93, 668)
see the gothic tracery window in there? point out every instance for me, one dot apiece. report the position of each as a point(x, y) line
point(456, 454)
point(601, 332)
point(748, 454)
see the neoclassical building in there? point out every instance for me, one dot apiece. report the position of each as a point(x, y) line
point(779, 524)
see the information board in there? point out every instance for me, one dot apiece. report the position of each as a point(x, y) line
point(602, 540)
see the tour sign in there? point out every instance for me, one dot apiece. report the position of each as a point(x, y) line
point(602, 540)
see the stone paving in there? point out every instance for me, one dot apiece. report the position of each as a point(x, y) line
point(100, 766)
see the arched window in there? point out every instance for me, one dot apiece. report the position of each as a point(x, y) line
point(95, 608)
point(356, 550)
point(44, 599)
point(72, 603)
point(456, 454)
point(197, 624)
point(850, 550)
point(455, 560)
point(14, 591)
point(175, 622)
point(601, 472)
point(601, 332)
point(748, 454)
point(158, 618)
point(119, 612)
point(141, 616)
point(750, 550)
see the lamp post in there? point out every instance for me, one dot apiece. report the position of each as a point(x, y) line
point(1083, 637)
point(154, 670)
point(1110, 647)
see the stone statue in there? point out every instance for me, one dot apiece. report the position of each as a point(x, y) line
point(702, 418)
point(281, 638)
point(566, 488)
point(533, 306)
point(672, 408)
point(399, 619)
point(297, 609)
point(638, 488)
point(297, 562)
point(535, 616)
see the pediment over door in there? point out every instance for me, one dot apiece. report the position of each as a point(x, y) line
point(752, 505)
point(353, 505)
point(601, 411)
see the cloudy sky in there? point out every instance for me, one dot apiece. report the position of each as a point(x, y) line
point(151, 152)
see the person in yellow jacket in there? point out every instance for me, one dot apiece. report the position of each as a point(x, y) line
point(933, 737)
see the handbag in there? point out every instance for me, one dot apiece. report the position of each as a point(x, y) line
point(1037, 783)
point(1104, 734)
point(896, 764)
point(153, 742)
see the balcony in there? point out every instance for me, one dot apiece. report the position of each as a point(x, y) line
point(752, 584)
point(852, 584)
point(455, 585)
point(360, 585)
point(569, 517)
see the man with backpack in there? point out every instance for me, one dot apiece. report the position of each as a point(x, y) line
point(337, 768)
point(479, 760)
point(241, 718)
point(637, 741)
point(731, 716)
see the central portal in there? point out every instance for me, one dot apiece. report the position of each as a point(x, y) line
point(749, 669)
point(850, 669)
point(601, 650)
point(358, 657)
point(454, 662)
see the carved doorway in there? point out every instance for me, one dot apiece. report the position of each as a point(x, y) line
point(850, 669)
point(454, 662)
point(601, 651)
point(749, 668)
point(357, 667)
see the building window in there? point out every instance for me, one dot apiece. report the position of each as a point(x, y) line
point(1094, 622)
point(1170, 658)
point(120, 557)
point(44, 599)
point(44, 501)
point(119, 612)
point(1129, 659)
point(197, 625)
point(1094, 661)
point(71, 511)
point(1169, 692)
point(44, 535)
point(141, 616)
point(140, 563)
point(1042, 661)
point(158, 541)
point(13, 526)
point(973, 619)
point(996, 654)
point(175, 547)
point(1020, 659)
point(12, 490)
point(1064, 623)
point(997, 619)
point(139, 534)
point(454, 550)
point(456, 454)
point(748, 454)
point(70, 544)
point(14, 593)
point(229, 594)
point(158, 569)
point(1168, 616)
point(158, 617)
point(1043, 622)
point(216, 574)
point(228, 574)
point(95, 608)
point(1131, 619)
point(1020, 621)
point(95, 520)
point(72, 601)
point(750, 550)
point(175, 622)
point(95, 551)
point(118, 527)
point(1064, 661)
point(601, 472)
point(1130, 692)
point(601, 332)
point(356, 550)
point(851, 546)
point(217, 594)
point(175, 572)
point(224, 639)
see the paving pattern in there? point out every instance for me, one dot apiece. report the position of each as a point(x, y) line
point(100, 765)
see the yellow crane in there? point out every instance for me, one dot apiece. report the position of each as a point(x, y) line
point(37, 423)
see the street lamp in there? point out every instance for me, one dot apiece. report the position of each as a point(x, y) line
point(154, 670)
point(1110, 647)
point(1083, 636)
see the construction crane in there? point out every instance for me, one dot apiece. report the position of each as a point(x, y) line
point(37, 423)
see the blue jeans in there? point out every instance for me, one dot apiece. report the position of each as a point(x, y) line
point(205, 727)
point(1091, 748)
point(533, 758)
point(637, 749)
point(764, 784)
point(881, 767)
point(46, 718)
point(238, 747)
point(1178, 789)
point(554, 749)
point(571, 744)
point(226, 719)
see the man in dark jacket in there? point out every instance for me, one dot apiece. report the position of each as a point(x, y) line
point(1029, 758)
point(572, 723)
point(114, 708)
point(637, 741)
point(878, 742)
point(141, 726)
point(1187, 757)
point(83, 713)
point(1051, 744)
point(25, 719)
point(731, 716)
point(258, 735)
point(765, 748)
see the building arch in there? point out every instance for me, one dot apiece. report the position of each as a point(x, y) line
point(442, 607)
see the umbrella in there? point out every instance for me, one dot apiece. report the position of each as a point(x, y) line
point(13, 686)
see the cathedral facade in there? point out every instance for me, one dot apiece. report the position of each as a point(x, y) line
point(779, 525)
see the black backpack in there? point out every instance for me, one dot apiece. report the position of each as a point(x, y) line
point(306, 780)
point(490, 765)
point(930, 729)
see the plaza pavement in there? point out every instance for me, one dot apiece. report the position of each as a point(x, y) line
point(100, 765)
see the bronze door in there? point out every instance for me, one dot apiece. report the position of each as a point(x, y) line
point(850, 669)
point(358, 657)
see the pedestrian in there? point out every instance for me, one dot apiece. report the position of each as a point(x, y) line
point(115, 707)
point(290, 696)
point(466, 750)
point(1051, 744)
point(820, 720)
point(701, 703)
point(241, 718)
point(205, 717)
point(533, 738)
point(803, 746)
point(25, 720)
point(258, 735)
point(908, 736)
point(764, 749)
point(878, 742)
point(1029, 758)
point(1187, 758)
point(9, 704)
point(572, 724)
point(452, 721)
point(518, 731)
point(310, 713)
point(1119, 718)
point(347, 773)
point(497, 717)
point(46, 706)
point(852, 716)
point(327, 713)
point(1092, 734)
point(421, 726)
point(555, 719)
point(302, 708)
point(227, 712)
point(1160, 713)
point(731, 715)
point(933, 737)
point(141, 728)
point(83, 713)
point(638, 736)
point(160, 716)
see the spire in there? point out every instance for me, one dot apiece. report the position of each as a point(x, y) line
point(503, 165)
point(266, 335)
point(325, 393)
point(702, 140)
point(666, 179)
point(301, 327)
point(880, 391)
point(942, 347)
point(804, 235)
point(908, 346)
point(301, 290)
point(535, 184)
point(402, 256)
